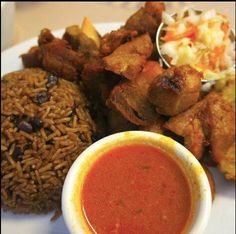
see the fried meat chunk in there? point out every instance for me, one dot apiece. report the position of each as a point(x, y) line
point(128, 59)
point(129, 101)
point(130, 97)
point(114, 39)
point(211, 123)
point(147, 19)
point(56, 56)
point(175, 90)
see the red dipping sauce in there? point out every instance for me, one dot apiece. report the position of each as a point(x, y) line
point(136, 189)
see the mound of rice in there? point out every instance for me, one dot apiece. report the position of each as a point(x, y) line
point(45, 124)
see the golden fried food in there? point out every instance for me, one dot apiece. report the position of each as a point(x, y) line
point(147, 19)
point(132, 104)
point(175, 90)
point(227, 88)
point(128, 59)
point(114, 39)
point(56, 56)
point(222, 135)
point(130, 97)
point(210, 122)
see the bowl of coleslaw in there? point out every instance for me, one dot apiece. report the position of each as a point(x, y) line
point(204, 40)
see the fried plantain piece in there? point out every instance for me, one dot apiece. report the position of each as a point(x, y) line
point(128, 59)
point(211, 123)
point(147, 19)
point(175, 90)
point(111, 41)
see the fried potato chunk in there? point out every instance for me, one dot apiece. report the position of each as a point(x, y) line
point(210, 122)
point(128, 59)
point(175, 90)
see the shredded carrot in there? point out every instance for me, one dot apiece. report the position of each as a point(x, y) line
point(189, 33)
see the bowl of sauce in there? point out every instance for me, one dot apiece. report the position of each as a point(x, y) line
point(136, 182)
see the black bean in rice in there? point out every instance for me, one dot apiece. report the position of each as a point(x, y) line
point(44, 127)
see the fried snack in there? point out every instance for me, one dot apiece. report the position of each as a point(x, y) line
point(210, 122)
point(130, 98)
point(127, 99)
point(90, 31)
point(150, 71)
point(32, 57)
point(115, 38)
point(117, 123)
point(222, 136)
point(147, 19)
point(128, 59)
point(56, 56)
point(175, 90)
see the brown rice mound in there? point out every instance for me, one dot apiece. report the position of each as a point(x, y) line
point(45, 125)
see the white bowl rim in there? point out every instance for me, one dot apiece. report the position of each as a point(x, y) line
point(68, 210)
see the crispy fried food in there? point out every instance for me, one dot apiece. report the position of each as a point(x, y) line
point(114, 39)
point(32, 58)
point(222, 135)
point(210, 122)
point(56, 56)
point(175, 90)
point(60, 59)
point(147, 19)
point(117, 123)
point(128, 59)
point(127, 99)
point(130, 97)
point(150, 71)
point(227, 88)
point(80, 42)
point(211, 181)
point(156, 127)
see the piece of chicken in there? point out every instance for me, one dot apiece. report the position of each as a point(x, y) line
point(175, 90)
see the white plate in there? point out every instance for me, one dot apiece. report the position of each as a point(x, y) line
point(222, 218)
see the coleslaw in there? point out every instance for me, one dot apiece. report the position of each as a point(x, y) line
point(200, 39)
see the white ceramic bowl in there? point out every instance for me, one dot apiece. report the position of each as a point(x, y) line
point(7, 24)
point(71, 194)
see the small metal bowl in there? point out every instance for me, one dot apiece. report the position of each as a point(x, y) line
point(161, 33)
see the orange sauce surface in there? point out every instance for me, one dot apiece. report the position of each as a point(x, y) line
point(136, 189)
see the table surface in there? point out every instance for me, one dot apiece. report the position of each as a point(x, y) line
point(31, 17)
